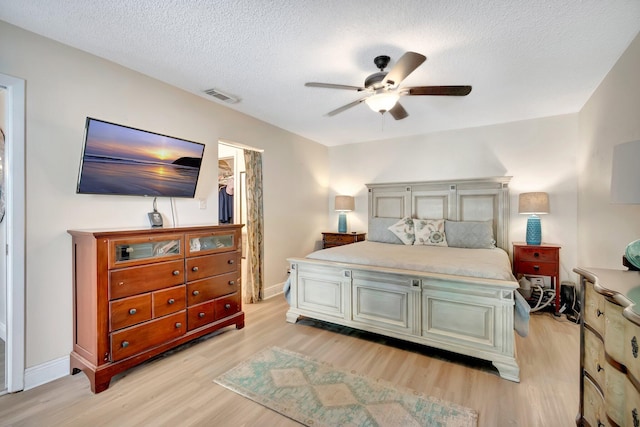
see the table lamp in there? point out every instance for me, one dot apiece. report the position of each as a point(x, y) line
point(344, 204)
point(533, 204)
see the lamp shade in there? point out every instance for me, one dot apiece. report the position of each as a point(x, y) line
point(533, 203)
point(345, 203)
point(625, 173)
point(382, 102)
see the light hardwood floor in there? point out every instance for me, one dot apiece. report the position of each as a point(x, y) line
point(178, 389)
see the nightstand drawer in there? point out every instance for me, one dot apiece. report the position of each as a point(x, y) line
point(340, 238)
point(537, 268)
point(536, 254)
point(330, 239)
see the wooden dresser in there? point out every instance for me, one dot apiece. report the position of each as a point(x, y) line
point(609, 359)
point(138, 293)
point(332, 239)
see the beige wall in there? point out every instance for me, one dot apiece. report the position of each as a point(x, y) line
point(610, 117)
point(63, 86)
point(539, 154)
point(3, 238)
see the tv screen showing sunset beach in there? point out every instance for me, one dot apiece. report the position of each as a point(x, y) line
point(121, 160)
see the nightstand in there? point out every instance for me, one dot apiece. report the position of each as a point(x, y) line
point(539, 260)
point(330, 239)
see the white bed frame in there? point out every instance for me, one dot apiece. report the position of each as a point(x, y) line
point(465, 315)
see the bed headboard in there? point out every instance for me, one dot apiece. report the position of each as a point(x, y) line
point(458, 200)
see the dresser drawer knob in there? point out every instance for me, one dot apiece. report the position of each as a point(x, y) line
point(227, 306)
point(133, 311)
point(231, 261)
point(176, 272)
point(194, 269)
point(232, 282)
point(601, 424)
point(201, 315)
point(536, 254)
point(195, 293)
point(634, 347)
point(171, 301)
point(599, 368)
point(536, 267)
point(634, 414)
point(178, 325)
point(599, 313)
point(120, 283)
point(125, 344)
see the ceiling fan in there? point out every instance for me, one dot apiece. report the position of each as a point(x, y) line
point(383, 89)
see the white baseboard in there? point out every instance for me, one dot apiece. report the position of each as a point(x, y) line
point(3, 331)
point(46, 372)
point(274, 290)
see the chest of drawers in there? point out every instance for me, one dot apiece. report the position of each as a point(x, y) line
point(138, 293)
point(609, 359)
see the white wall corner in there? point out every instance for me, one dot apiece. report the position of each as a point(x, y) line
point(46, 372)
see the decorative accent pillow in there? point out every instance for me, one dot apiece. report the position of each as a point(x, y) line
point(470, 234)
point(429, 232)
point(379, 231)
point(404, 230)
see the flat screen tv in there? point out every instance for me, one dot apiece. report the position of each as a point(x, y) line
point(122, 160)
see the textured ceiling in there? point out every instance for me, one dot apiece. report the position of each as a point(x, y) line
point(524, 58)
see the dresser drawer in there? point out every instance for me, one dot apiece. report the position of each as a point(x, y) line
point(594, 361)
point(614, 394)
point(213, 287)
point(209, 265)
point(614, 331)
point(130, 311)
point(593, 410)
point(534, 254)
point(136, 280)
point(130, 341)
point(594, 308)
point(227, 306)
point(539, 268)
point(167, 301)
point(631, 349)
point(632, 406)
point(200, 315)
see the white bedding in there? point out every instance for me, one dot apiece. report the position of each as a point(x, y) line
point(480, 263)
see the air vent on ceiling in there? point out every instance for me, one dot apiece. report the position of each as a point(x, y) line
point(221, 96)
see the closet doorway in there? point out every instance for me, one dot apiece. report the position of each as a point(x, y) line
point(232, 208)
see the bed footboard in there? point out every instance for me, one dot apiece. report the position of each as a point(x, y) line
point(469, 316)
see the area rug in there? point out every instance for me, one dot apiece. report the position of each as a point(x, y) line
point(317, 394)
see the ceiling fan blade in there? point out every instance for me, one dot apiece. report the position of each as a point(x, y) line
point(438, 90)
point(398, 112)
point(333, 86)
point(404, 66)
point(345, 107)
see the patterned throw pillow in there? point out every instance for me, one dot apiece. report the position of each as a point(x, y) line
point(404, 230)
point(429, 232)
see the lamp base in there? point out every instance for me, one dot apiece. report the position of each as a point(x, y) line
point(342, 222)
point(534, 231)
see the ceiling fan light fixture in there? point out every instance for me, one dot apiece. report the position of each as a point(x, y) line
point(382, 102)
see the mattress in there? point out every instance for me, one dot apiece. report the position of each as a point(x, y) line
point(478, 263)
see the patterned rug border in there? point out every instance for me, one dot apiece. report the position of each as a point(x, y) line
point(467, 417)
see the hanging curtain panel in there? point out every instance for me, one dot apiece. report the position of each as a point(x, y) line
point(254, 286)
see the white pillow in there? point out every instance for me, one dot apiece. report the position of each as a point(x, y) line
point(404, 230)
point(429, 232)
